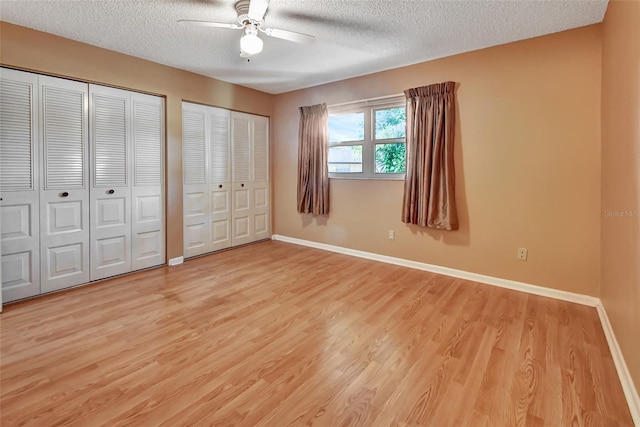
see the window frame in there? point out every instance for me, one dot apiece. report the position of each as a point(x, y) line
point(369, 142)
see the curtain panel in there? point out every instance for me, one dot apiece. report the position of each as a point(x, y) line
point(429, 186)
point(313, 151)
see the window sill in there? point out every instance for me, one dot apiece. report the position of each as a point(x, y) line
point(367, 178)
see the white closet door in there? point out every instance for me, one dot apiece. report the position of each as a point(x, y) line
point(226, 178)
point(260, 189)
point(64, 195)
point(148, 242)
point(110, 192)
point(220, 178)
point(196, 184)
point(19, 204)
point(242, 209)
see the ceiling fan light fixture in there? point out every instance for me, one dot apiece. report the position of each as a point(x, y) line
point(250, 19)
point(250, 43)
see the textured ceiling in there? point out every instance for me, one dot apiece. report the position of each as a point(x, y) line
point(353, 37)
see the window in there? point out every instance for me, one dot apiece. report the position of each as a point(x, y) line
point(346, 131)
point(367, 140)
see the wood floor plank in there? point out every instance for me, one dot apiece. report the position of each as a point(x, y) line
point(273, 334)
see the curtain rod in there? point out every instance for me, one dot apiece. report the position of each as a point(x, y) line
point(361, 101)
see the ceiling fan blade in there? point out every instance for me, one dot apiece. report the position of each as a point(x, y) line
point(257, 9)
point(289, 35)
point(211, 24)
point(352, 23)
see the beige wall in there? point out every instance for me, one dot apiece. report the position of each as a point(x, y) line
point(45, 53)
point(620, 289)
point(528, 165)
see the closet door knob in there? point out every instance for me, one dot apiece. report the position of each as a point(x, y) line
point(65, 194)
point(219, 185)
point(111, 191)
point(241, 185)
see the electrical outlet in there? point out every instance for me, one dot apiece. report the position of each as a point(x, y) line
point(522, 254)
point(391, 235)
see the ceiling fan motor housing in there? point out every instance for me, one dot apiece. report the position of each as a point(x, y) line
point(242, 9)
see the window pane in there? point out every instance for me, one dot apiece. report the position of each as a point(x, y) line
point(346, 127)
point(347, 159)
point(391, 123)
point(390, 158)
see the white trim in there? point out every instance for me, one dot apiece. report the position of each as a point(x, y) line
point(176, 261)
point(475, 277)
point(630, 392)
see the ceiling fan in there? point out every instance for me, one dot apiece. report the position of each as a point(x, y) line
point(251, 21)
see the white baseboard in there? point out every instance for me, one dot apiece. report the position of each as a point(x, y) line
point(626, 381)
point(176, 261)
point(630, 392)
point(467, 275)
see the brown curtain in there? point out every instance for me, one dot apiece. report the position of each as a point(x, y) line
point(313, 172)
point(429, 186)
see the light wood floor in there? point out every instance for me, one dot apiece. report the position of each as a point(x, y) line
point(274, 334)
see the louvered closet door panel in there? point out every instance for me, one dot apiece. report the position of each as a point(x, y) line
point(19, 207)
point(110, 193)
point(240, 128)
point(260, 149)
point(260, 188)
point(64, 195)
point(194, 145)
point(241, 223)
point(149, 237)
point(196, 208)
point(220, 174)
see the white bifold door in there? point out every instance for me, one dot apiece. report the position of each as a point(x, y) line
point(207, 193)
point(147, 186)
point(110, 182)
point(127, 220)
point(19, 185)
point(226, 178)
point(250, 163)
point(64, 192)
point(81, 184)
